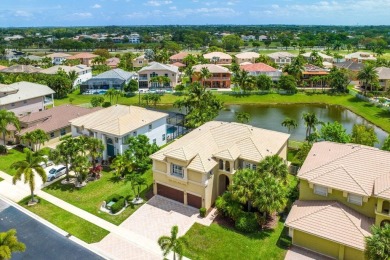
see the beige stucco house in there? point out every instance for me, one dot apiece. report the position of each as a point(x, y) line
point(140, 62)
point(344, 189)
point(198, 167)
point(155, 69)
point(218, 58)
point(247, 57)
point(384, 77)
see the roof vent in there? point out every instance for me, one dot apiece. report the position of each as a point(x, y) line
point(314, 154)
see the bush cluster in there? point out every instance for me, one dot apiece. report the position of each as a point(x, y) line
point(3, 149)
point(120, 204)
point(202, 212)
point(114, 197)
point(247, 222)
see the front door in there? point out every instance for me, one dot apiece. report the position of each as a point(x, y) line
point(110, 147)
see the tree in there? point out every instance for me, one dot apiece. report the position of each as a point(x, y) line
point(243, 117)
point(102, 52)
point(72, 75)
point(243, 80)
point(9, 243)
point(286, 42)
point(110, 94)
point(378, 245)
point(386, 144)
point(149, 54)
point(94, 147)
point(334, 132)
point(311, 121)
point(28, 168)
point(80, 166)
point(316, 59)
point(274, 165)
point(301, 155)
point(204, 75)
point(369, 76)
point(264, 82)
point(139, 151)
point(155, 98)
point(97, 101)
point(161, 81)
point(132, 86)
point(231, 42)
point(173, 243)
point(137, 182)
point(288, 83)
point(121, 166)
point(8, 118)
point(37, 138)
point(289, 123)
point(338, 80)
point(243, 187)
point(363, 134)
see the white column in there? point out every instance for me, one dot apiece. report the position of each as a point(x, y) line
point(103, 137)
point(52, 98)
point(120, 144)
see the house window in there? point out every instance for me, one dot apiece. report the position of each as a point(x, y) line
point(321, 190)
point(52, 135)
point(355, 199)
point(177, 170)
point(154, 141)
point(248, 165)
point(150, 127)
point(163, 137)
point(63, 131)
point(227, 166)
point(135, 133)
point(221, 164)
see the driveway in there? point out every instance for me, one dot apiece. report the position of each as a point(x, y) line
point(298, 253)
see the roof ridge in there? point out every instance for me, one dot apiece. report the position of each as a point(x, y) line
point(316, 211)
point(345, 213)
point(250, 137)
point(385, 189)
point(354, 179)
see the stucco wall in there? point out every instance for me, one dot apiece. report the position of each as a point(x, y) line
point(24, 107)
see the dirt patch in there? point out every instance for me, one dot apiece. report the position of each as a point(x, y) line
point(224, 221)
point(272, 221)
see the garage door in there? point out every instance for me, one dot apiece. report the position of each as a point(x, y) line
point(170, 193)
point(194, 201)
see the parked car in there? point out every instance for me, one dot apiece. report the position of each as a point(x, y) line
point(46, 164)
point(55, 172)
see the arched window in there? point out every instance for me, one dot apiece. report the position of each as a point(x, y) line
point(227, 166)
point(220, 164)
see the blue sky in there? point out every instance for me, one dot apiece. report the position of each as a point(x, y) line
point(155, 12)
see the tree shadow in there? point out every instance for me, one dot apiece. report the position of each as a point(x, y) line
point(284, 241)
point(62, 187)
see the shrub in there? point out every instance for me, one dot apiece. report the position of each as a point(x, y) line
point(114, 197)
point(228, 207)
point(3, 149)
point(120, 204)
point(202, 212)
point(247, 222)
point(106, 104)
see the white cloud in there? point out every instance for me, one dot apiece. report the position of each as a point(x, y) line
point(158, 3)
point(80, 15)
point(96, 6)
point(21, 13)
point(172, 7)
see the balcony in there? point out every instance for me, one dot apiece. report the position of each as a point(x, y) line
point(142, 78)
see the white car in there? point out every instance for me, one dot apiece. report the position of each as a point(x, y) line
point(55, 172)
point(47, 163)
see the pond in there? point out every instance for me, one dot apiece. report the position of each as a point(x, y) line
point(271, 117)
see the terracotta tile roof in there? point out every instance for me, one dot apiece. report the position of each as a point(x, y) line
point(178, 64)
point(330, 220)
point(2, 67)
point(213, 68)
point(347, 167)
point(223, 140)
point(257, 67)
point(82, 55)
point(113, 61)
point(179, 56)
point(54, 118)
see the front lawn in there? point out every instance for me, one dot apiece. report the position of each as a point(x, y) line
point(91, 197)
point(220, 242)
point(65, 220)
point(7, 160)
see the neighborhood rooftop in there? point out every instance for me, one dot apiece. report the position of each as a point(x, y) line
point(159, 66)
point(23, 90)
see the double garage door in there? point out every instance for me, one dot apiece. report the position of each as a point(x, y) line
point(178, 195)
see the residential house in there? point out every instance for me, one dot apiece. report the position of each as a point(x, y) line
point(155, 69)
point(54, 121)
point(220, 76)
point(263, 38)
point(360, 57)
point(84, 72)
point(344, 189)
point(140, 62)
point(314, 76)
point(85, 58)
point(325, 58)
point(13, 37)
point(134, 38)
point(13, 55)
point(384, 77)
point(262, 69)
point(247, 38)
point(58, 58)
point(178, 57)
point(199, 166)
point(21, 69)
point(218, 58)
point(116, 78)
point(247, 57)
point(281, 58)
point(115, 124)
point(350, 65)
point(113, 63)
point(25, 97)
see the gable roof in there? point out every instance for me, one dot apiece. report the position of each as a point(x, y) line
point(247, 55)
point(312, 69)
point(67, 69)
point(281, 54)
point(179, 56)
point(330, 220)
point(115, 74)
point(118, 120)
point(24, 91)
point(21, 69)
point(322, 55)
point(221, 55)
point(383, 72)
point(360, 55)
point(58, 55)
point(347, 167)
point(255, 67)
point(225, 140)
point(213, 68)
point(354, 66)
point(159, 66)
point(382, 186)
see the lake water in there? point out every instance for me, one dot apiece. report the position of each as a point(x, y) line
point(271, 117)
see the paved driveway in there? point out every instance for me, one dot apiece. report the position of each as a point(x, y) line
point(298, 253)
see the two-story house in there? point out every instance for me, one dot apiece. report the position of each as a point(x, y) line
point(85, 58)
point(314, 76)
point(344, 189)
point(383, 77)
point(360, 57)
point(199, 166)
point(218, 58)
point(178, 57)
point(281, 58)
point(220, 76)
point(84, 72)
point(115, 124)
point(140, 62)
point(260, 68)
point(155, 69)
point(247, 57)
point(58, 58)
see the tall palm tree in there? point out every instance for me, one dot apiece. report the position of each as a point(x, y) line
point(9, 243)
point(172, 244)
point(368, 75)
point(244, 80)
point(110, 94)
point(243, 117)
point(95, 149)
point(311, 121)
point(72, 75)
point(28, 168)
point(378, 245)
point(274, 165)
point(120, 166)
point(189, 71)
point(8, 118)
point(289, 123)
point(37, 138)
point(204, 75)
point(244, 187)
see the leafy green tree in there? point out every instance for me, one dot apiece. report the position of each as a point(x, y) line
point(311, 122)
point(204, 75)
point(243, 117)
point(301, 155)
point(132, 86)
point(378, 245)
point(94, 147)
point(264, 82)
point(334, 132)
point(111, 93)
point(121, 166)
point(8, 118)
point(37, 138)
point(386, 144)
point(338, 80)
point(231, 42)
point(139, 151)
point(9, 244)
point(97, 101)
point(243, 80)
point(363, 134)
point(274, 165)
point(155, 98)
point(80, 166)
point(28, 168)
point(289, 123)
point(137, 182)
point(244, 187)
point(288, 83)
point(316, 59)
point(72, 75)
point(368, 76)
point(173, 244)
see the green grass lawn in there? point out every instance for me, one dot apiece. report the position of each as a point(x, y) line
point(219, 242)
point(7, 160)
point(65, 220)
point(91, 196)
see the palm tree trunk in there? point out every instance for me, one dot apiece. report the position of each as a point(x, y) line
point(32, 196)
point(4, 132)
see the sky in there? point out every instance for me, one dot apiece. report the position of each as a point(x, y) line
point(26, 13)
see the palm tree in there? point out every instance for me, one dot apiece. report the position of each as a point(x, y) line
point(311, 121)
point(368, 75)
point(110, 93)
point(274, 165)
point(378, 245)
point(72, 75)
point(189, 71)
point(117, 93)
point(137, 182)
point(289, 123)
point(172, 244)
point(120, 166)
point(243, 186)
point(243, 117)
point(8, 118)
point(28, 168)
point(37, 138)
point(244, 80)
point(95, 149)
point(204, 74)
point(161, 80)
point(9, 243)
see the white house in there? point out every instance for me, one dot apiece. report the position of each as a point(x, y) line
point(58, 58)
point(84, 72)
point(134, 38)
point(115, 124)
point(247, 38)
